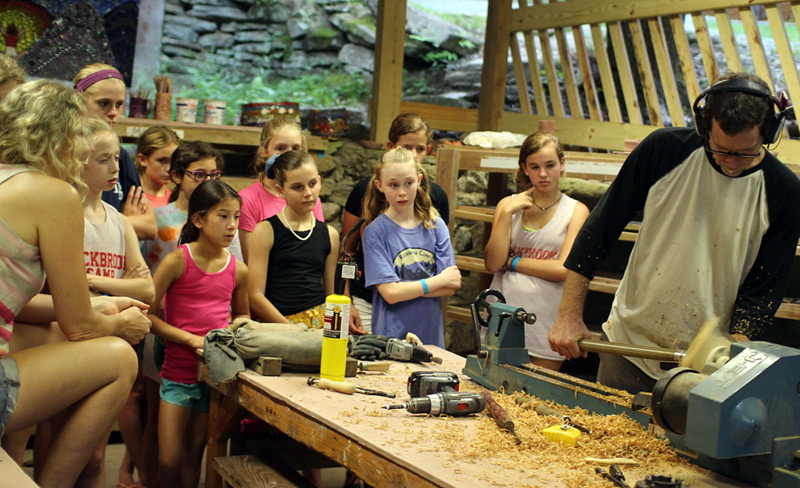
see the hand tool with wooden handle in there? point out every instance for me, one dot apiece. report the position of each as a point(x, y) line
point(345, 387)
point(543, 409)
point(500, 416)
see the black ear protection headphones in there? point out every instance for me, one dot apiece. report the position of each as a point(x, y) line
point(774, 125)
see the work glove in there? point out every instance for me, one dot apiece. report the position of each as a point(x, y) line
point(369, 347)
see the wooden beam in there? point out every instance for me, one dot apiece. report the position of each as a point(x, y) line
point(589, 89)
point(684, 57)
point(442, 117)
point(625, 74)
point(664, 63)
point(606, 76)
point(705, 45)
point(519, 74)
point(577, 12)
point(387, 81)
point(784, 52)
point(728, 41)
point(536, 78)
point(646, 75)
point(754, 42)
point(495, 64)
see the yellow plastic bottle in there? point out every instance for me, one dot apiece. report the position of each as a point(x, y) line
point(334, 337)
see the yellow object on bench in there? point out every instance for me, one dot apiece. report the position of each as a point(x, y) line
point(557, 433)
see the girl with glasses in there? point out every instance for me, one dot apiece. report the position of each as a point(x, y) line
point(192, 163)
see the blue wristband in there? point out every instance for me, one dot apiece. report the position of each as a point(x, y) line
point(425, 289)
point(514, 262)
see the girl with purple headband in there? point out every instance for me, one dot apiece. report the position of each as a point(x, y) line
point(104, 89)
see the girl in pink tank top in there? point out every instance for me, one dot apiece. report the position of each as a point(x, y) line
point(199, 287)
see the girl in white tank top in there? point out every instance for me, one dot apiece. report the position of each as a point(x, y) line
point(532, 234)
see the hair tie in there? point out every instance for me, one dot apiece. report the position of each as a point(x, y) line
point(85, 83)
point(268, 166)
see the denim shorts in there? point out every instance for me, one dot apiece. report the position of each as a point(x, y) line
point(9, 391)
point(188, 395)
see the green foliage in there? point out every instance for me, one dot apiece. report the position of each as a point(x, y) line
point(442, 56)
point(329, 89)
point(466, 43)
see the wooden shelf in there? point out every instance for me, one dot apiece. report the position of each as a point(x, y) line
point(228, 135)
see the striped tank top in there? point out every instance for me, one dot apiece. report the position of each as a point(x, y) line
point(21, 273)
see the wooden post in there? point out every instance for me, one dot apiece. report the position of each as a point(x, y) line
point(495, 65)
point(387, 81)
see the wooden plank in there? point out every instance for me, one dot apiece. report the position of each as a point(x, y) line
point(447, 178)
point(577, 12)
point(550, 73)
point(684, 57)
point(571, 89)
point(646, 75)
point(784, 52)
point(223, 416)
point(228, 135)
point(606, 76)
point(495, 64)
point(589, 89)
point(519, 74)
point(471, 263)
point(387, 81)
point(250, 472)
point(442, 117)
point(539, 97)
point(612, 135)
point(461, 213)
point(753, 36)
point(624, 72)
point(706, 48)
point(668, 86)
point(459, 314)
point(728, 41)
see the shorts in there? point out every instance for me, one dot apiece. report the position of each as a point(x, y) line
point(188, 395)
point(9, 391)
point(313, 317)
point(364, 313)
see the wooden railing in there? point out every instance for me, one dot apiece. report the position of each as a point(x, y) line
point(648, 77)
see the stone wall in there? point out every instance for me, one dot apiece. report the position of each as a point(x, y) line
point(292, 38)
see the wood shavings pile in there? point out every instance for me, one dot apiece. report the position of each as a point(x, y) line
point(613, 436)
point(478, 441)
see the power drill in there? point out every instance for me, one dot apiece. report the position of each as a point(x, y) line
point(457, 404)
point(422, 383)
point(400, 350)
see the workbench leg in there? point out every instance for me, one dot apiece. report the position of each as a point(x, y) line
point(223, 416)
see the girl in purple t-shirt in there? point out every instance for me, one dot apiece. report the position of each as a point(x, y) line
point(408, 258)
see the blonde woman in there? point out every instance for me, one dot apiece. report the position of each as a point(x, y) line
point(43, 144)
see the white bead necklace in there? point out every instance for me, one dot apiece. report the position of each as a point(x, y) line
point(289, 225)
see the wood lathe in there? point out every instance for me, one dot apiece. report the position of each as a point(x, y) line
point(739, 415)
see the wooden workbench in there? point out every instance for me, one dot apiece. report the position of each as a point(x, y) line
point(391, 448)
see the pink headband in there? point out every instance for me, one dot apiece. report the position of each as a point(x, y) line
point(93, 78)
